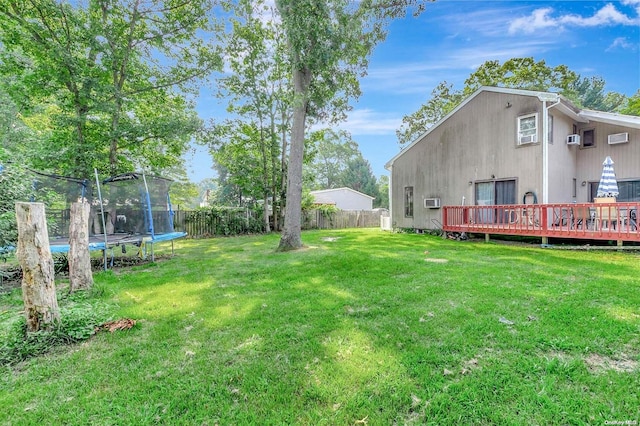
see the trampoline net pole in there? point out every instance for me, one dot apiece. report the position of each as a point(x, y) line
point(104, 223)
point(148, 201)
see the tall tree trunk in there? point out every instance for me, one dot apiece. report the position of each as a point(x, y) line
point(284, 161)
point(80, 276)
point(265, 175)
point(38, 287)
point(291, 237)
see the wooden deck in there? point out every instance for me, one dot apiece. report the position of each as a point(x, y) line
point(588, 221)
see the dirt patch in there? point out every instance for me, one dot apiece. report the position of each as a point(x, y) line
point(599, 364)
point(432, 260)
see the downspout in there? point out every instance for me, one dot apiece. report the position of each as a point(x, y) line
point(551, 97)
point(545, 141)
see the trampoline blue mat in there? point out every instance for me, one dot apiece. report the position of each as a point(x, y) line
point(115, 240)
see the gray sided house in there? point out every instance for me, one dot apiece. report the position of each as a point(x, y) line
point(509, 146)
point(344, 198)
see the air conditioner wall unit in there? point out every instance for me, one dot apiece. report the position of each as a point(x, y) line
point(528, 139)
point(618, 138)
point(432, 203)
point(573, 139)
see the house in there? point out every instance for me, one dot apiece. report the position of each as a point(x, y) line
point(344, 198)
point(508, 146)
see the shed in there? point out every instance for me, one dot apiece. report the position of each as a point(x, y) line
point(344, 198)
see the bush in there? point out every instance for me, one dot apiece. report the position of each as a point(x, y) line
point(80, 317)
point(227, 220)
point(15, 185)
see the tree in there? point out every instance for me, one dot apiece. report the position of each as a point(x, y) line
point(358, 176)
point(38, 287)
point(328, 156)
point(15, 183)
point(243, 159)
point(521, 73)
point(329, 42)
point(252, 145)
point(383, 190)
point(334, 161)
point(105, 68)
point(633, 105)
point(516, 73)
point(589, 93)
point(443, 100)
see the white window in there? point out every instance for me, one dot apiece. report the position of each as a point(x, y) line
point(528, 129)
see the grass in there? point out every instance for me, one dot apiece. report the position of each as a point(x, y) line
point(362, 327)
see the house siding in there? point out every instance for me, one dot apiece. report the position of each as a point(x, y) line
point(626, 157)
point(477, 142)
point(563, 164)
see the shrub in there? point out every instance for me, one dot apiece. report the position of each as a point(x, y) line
point(80, 317)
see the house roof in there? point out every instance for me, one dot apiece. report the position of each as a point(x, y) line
point(611, 118)
point(559, 102)
point(323, 192)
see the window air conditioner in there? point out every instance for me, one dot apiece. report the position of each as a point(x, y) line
point(618, 138)
point(432, 203)
point(573, 139)
point(528, 139)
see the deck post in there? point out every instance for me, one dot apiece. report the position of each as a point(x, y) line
point(486, 238)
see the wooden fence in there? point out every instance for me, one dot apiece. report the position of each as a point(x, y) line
point(217, 222)
point(223, 221)
point(316, 219)
point(207, 223)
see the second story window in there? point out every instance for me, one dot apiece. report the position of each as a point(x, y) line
point(588, 138)
point(528, 129)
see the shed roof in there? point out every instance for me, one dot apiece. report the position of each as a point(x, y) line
point(329, 191)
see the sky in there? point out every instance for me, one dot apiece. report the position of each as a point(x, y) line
point(452, 38)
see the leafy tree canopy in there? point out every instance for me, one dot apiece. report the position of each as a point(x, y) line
point(633, 105)
point(105, 82)
point(335, 162)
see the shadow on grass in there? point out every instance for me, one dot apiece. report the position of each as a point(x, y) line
point(360, 328)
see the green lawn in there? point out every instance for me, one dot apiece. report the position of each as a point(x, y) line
point(362, 327)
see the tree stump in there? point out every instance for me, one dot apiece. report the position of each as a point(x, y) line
point(80, 276)
point(38, 287)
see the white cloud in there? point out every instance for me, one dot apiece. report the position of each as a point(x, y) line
point(632, 3)
point(370, 122)
point(543, 19)
point(622, 43)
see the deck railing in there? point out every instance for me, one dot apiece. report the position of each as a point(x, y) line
point(599, 221)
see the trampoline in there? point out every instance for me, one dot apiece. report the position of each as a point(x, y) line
point(127, 209)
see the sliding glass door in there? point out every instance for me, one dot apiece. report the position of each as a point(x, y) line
point(495, 192)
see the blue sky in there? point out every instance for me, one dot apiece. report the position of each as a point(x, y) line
point(453, 37)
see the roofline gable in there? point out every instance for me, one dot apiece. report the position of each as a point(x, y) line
point(324, 191)
point(562, 103)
